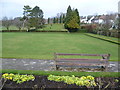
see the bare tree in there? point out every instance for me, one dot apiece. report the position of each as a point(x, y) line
point(6, 22)
point(118, 21)
point(18, 22)
point(107, 22)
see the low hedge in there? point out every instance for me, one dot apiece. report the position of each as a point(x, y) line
point(46, 73)
point(31, 31)
point(109, 40)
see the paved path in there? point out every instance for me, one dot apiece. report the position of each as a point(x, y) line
point(45, 65)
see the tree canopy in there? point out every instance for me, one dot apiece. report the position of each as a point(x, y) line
point(72, 20)
point(34, 16)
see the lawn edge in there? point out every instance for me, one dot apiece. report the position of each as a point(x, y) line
point(46, 73)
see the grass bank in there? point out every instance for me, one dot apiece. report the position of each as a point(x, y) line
point(95, 74)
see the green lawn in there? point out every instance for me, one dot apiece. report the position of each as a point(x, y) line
point(54, 27)
point(43, 45)
point(10, 28)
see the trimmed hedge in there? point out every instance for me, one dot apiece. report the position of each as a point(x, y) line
point(115, 42)
point(46, 73)
point(30, 31)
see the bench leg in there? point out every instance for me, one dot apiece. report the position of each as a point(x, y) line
point(106, 69)
point(57, 67)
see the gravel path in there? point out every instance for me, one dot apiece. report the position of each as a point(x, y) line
point(45, 65)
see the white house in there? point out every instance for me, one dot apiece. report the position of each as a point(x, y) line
point(83, 19)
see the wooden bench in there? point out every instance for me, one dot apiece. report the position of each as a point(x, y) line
point(82, 63)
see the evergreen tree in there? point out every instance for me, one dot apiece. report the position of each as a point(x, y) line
point(78, 17)
point(34, 16)
point(72, 20)
point(61, 19)
point(48, 20)
point(54, 20)
point(27, 9)
point(72, 25)
point(68, 15)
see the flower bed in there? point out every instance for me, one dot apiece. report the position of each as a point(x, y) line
point(53, 81)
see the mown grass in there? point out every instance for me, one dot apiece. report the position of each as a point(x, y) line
point(43, 45)
point(53, 27)
point(12, 27)
point(95, 74)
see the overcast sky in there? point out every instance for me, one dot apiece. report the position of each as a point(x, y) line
point(14, 8)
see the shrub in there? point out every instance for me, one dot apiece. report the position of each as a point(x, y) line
point(18, 78)
point(87, 81)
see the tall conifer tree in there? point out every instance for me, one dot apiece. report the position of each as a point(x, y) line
point(72, 20)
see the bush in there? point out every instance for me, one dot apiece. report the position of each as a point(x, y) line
point(18, 78)
point(92, 28)
point(87, 81)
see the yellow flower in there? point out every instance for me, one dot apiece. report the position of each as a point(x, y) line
point(11, 74)
point(6, 74)
point(80, 83)
point(87, 83)
point(94, 84)
point(23, 80)
point(10, 78)
point(7, 77)
point(90, 77)
point(83, 78)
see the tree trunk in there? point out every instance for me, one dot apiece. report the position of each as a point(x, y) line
point(7, 28)
point(24, 23)
point(19, 28)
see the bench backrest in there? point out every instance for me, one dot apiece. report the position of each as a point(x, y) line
point(105, 57)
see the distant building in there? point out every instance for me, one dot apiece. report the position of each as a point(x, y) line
point(83, 19)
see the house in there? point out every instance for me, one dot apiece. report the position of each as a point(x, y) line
point(83, 19)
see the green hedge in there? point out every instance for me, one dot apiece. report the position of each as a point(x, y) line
point(95, 74)
point(109, 40)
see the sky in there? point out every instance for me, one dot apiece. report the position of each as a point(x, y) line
point(14, 8)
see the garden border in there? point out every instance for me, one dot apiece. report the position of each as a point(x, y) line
point(103, 39)
point(34, 72)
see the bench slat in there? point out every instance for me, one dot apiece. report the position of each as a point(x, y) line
point(77, 61)
point(83, 54)
point(80, 64)
point(69, 59)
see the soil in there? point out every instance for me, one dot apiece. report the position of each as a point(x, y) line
point(41, 83)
